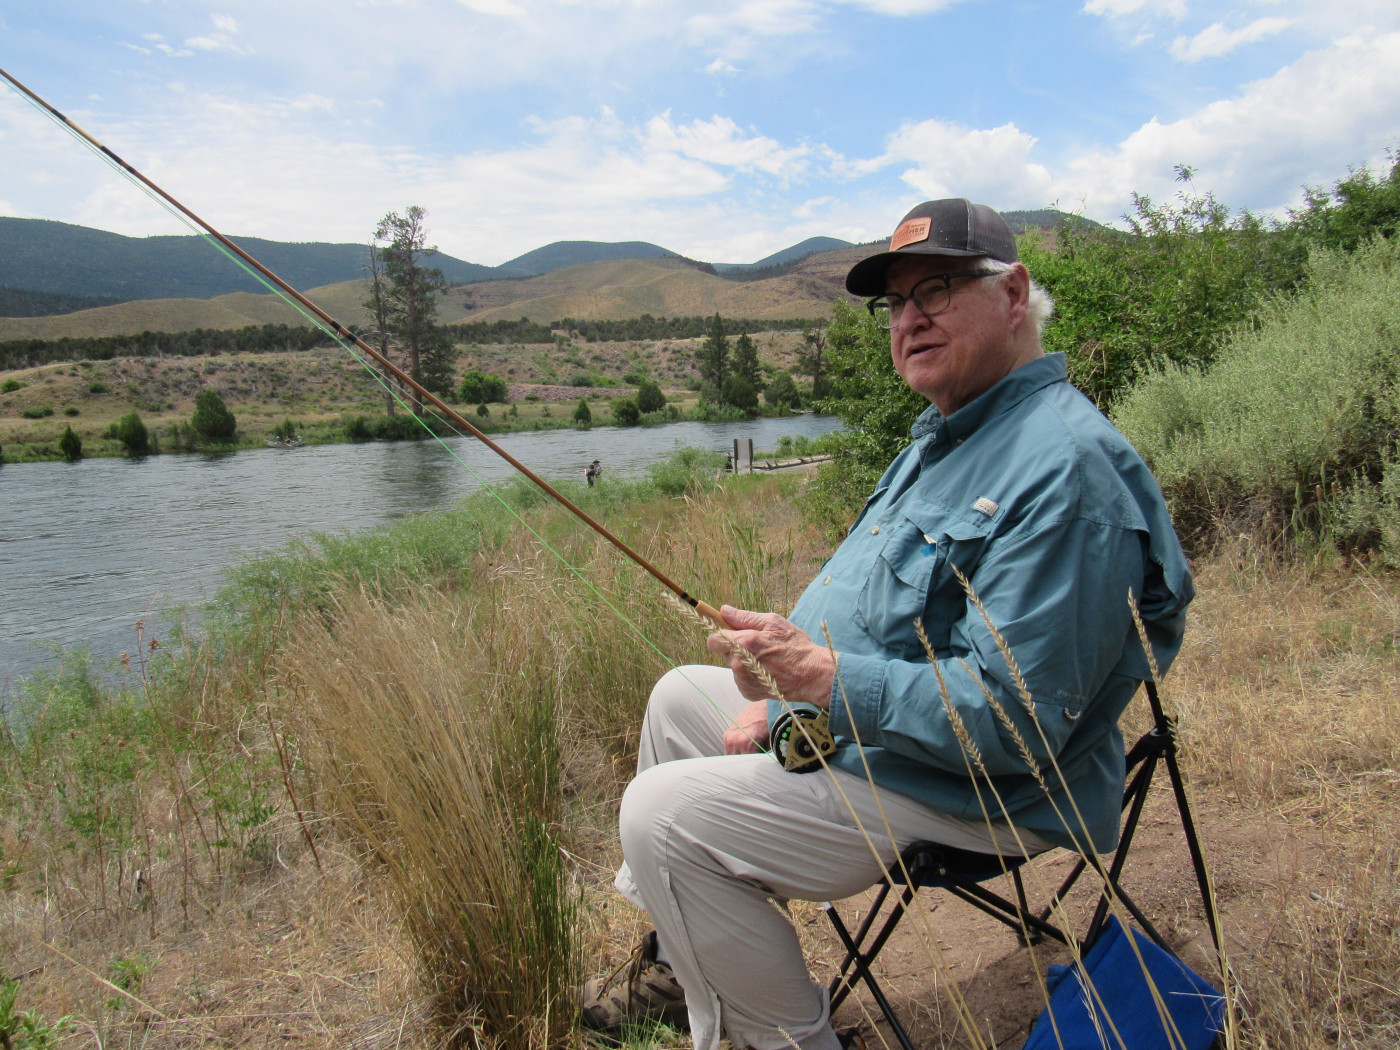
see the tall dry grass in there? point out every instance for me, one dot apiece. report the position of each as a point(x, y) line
point(1288, 690)
point(396, 808)
point(475, 741)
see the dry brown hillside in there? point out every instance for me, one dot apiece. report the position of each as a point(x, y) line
point(600, 291)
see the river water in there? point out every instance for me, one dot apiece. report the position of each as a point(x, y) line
point(89, 548)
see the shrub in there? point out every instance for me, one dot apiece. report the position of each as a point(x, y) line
point(740, 392)
point(132, 433)
point(97, 387)
point(782, 392)
point(71, 410)
point(626, 412)
point(10, 385)
point(1169, 291)
point(649, 396)
point(1294, 429)
point(581, 379)
point(70, 445)
point(688, 470)
point(482, 412)
point(358, 429)
point(37, 411)
point(212, 419)
point(582, 414)
point(482, 387)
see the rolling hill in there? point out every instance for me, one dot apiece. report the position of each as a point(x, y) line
point(587, 280)
point(45, 256)
point(665, 287)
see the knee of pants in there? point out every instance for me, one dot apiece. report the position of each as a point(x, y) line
point(644, 817)
point(673, 690)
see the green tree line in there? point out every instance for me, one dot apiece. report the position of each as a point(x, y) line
point(31, 353)
point(632, 329)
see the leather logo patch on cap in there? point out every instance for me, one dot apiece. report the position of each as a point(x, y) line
point(909, 232)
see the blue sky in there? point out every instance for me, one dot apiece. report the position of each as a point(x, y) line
point(724, 130)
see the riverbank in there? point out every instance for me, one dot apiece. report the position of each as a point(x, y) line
point(185, 858)
point(318, 393)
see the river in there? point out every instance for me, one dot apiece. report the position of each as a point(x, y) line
point(89, 548)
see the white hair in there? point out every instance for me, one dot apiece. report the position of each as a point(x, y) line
point(1039, 306)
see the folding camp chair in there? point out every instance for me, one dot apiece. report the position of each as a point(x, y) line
point(960, 872)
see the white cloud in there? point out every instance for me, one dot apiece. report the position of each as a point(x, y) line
point(1217, 40)
point(495, 8)
point(948, 160)
point(721, 66)
point(720, 142)
point(1174, 9)
point(901, 8)
point(1331, 107)
point(222, 39)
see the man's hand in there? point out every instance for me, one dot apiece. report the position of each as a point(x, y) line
point(749, 733)
point(803, 670)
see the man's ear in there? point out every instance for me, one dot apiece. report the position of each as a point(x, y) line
point(1017, 287)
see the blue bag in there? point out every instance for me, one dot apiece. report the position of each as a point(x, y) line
point(1196, 1008)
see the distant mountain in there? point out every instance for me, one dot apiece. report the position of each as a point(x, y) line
point(572, 253)
point(53, 268)
point(1044, 219)
point(18, 302)
point(44, 256)
point(801, 250)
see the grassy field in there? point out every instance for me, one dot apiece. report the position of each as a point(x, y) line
point(376, 806)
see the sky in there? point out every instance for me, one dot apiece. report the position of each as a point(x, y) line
point(723, 130)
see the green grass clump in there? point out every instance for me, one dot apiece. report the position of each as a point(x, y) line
point(1291, 434)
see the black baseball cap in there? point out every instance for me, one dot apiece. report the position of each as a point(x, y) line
point(954, 227)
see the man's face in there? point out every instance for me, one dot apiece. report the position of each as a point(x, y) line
point(959, 354)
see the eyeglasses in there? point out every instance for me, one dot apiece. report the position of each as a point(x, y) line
point(932, 296)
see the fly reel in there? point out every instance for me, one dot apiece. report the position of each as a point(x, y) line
point(800, 739)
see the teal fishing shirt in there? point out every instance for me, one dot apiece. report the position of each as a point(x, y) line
point(1053, 519)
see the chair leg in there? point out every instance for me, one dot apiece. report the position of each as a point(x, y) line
point(859, 960)
point(840, 985)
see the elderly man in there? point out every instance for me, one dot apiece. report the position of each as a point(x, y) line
point(1013, 480)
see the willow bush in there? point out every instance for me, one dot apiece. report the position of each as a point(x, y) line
point(1291, 434)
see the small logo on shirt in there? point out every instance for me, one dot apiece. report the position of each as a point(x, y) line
point(987, 506)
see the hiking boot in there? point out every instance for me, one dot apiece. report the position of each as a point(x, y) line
point(852, 1038)
point(640, 990)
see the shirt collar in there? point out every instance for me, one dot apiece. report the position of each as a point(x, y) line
point(1002, 397)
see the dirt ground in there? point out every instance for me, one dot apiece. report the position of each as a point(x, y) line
point(1255, 862)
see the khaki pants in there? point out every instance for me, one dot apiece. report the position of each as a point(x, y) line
point(709, 839)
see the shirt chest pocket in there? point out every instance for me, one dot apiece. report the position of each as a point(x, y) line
point(913, 578)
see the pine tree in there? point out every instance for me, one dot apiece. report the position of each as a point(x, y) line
point(811, 359)
point(746, 361)
point(411, 287)
point(712, 358)
point(70, 445)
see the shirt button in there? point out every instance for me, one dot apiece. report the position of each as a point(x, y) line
point(826, 581)
point(874, 530)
